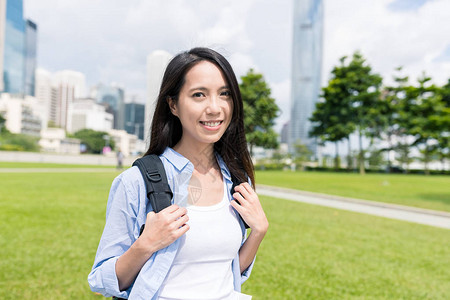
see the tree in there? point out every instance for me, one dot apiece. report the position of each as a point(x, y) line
point(260, 111)
point(3, 128)
point(94, 140)
point(301, 154)
point(430, 120)
point(403, 155)
point(363, 89)
point(332, 119)
point(389, 109)
point(443, 147)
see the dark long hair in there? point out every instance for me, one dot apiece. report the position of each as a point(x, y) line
point(166, 128)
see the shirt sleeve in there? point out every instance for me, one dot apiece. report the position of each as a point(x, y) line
point(118, 235)
point(246, 274)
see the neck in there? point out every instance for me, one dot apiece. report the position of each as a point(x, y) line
point(201, 156)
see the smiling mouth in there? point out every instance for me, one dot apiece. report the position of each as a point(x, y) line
point(211, 123)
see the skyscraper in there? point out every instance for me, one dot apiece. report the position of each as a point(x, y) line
point(2, 39)
point(157, 62)
point(306, 69)
point(17, 49)
point(70, 85)
point(47, 96)
point(135, 119)
point(113, 97)
point(30, 57)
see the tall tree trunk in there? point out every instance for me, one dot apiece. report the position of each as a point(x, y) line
point(362, 170)
point(389, 153)
point(336, 158)
point(349, 155)
point(427, 159)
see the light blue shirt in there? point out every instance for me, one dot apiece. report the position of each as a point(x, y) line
point(126, 212)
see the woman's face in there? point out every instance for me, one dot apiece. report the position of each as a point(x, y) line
point(204, 104)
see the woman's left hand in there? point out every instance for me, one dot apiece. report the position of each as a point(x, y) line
point(250, 208)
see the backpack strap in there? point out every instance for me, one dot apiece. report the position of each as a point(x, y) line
point(236, 182)
point(155, 179)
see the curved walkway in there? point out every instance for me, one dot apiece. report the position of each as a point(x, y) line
point(392, 211)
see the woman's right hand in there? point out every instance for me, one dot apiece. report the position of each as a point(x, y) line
point(163, 228)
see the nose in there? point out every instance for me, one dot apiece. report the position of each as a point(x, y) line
point(213, 105)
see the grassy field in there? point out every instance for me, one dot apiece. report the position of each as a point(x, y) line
point(51, 225)
point(430, 192)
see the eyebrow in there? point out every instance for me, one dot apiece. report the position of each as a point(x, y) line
point(201, 88)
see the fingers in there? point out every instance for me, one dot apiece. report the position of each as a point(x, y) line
point(170, 209)
point(172, 213)
point(245, 189)
point(239, 198)
point(181, 221)
point(182, 230)
point(236, 206)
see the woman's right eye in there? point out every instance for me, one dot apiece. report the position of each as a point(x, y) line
point(198, 95)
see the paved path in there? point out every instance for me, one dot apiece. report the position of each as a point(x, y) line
point(392, 211)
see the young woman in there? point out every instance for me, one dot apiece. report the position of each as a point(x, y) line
point(197, 248)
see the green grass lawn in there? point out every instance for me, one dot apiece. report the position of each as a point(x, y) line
point(51, 225)
point(431, 192)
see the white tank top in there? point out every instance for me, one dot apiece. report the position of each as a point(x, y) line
point(202, 267)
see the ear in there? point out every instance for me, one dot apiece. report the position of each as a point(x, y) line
point(172, 106)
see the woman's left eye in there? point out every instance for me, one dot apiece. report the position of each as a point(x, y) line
point(225, 93)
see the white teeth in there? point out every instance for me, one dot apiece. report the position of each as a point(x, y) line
point(212, 124)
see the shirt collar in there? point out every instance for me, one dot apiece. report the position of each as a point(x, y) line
point(175, 158)
point(180, 162)
point(223, 167)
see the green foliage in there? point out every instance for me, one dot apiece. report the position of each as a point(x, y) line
point(94, 140)
point(375, 158)
point(18, 142)
point(3, 129)
point(52, 124)
point(302, 154)
point(260, 111)
point(401, 113)
point(350, 102)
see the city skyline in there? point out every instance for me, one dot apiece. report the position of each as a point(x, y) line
point(253, 34)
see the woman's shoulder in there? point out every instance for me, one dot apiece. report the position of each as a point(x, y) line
point(131, 178)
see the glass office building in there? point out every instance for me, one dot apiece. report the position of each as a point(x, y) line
point(135, 119)
point(306, 69)
point(18, 49)
point(113, 97)
point(30, 56)
point(14, 49)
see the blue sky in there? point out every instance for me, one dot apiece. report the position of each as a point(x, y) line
point(406, 5)
point(109, 40)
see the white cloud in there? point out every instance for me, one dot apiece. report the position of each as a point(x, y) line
point(388, 39)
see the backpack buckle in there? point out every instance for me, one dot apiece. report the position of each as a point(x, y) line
point(154, 176)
